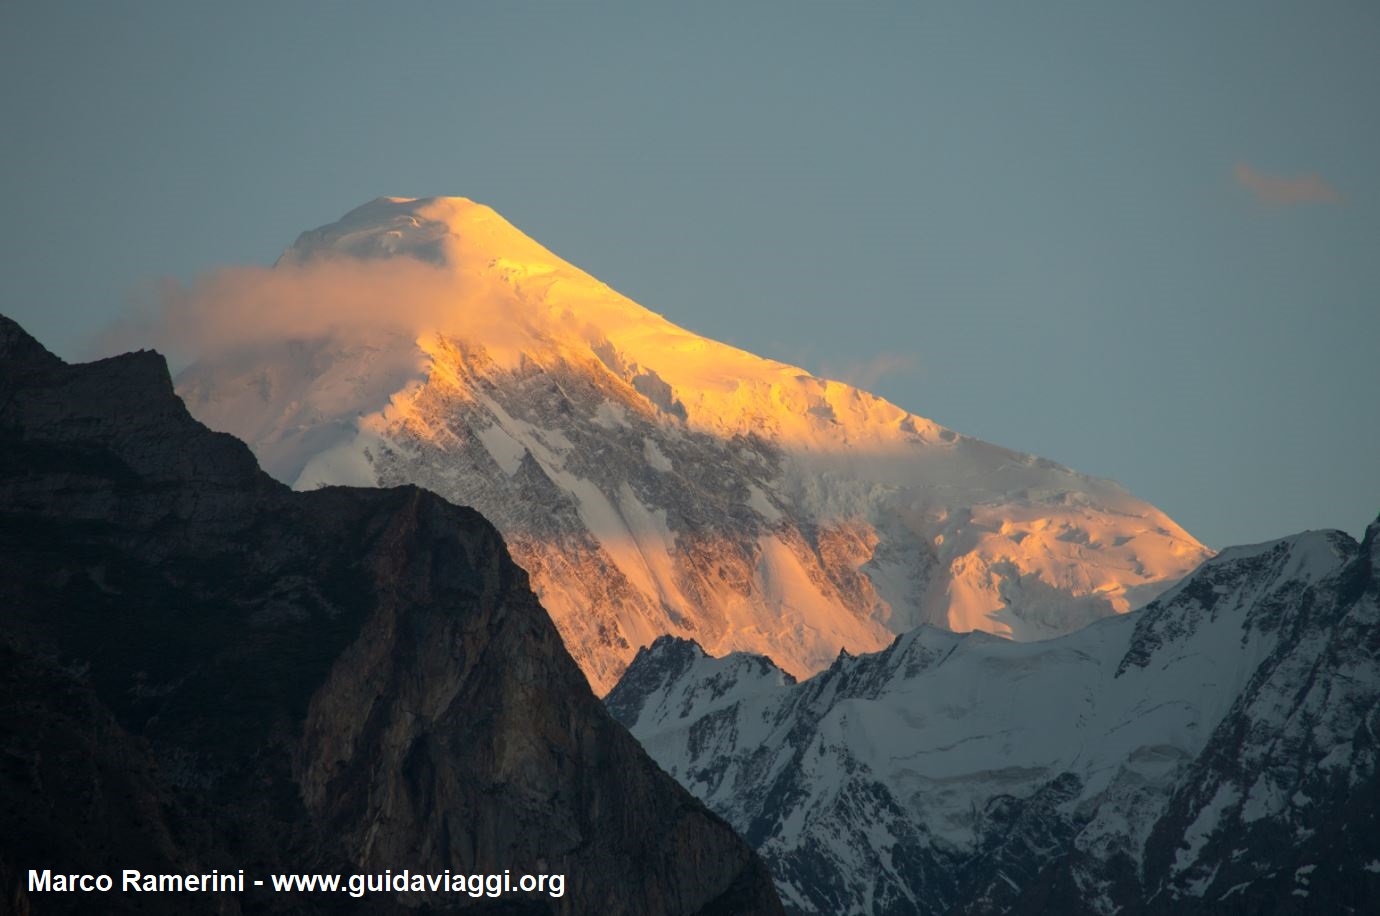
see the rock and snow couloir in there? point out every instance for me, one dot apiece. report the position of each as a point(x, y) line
point(650, 480)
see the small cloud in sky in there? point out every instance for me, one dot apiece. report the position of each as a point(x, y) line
point(868, 373)
point(1285, 190)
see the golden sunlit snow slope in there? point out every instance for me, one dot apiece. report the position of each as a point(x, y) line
point(650, 480)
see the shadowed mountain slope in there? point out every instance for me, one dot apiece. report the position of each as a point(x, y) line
point(201, 669)
point(1214, 752)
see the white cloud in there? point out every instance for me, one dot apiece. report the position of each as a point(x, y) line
point(868, 373)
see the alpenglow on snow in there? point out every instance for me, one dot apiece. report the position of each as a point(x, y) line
point(651, 481)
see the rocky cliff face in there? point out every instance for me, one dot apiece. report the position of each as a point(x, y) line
point(203, 670)
point(1213, 753)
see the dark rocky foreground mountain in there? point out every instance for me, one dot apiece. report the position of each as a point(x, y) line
point(200, 669)
point(1215, 752)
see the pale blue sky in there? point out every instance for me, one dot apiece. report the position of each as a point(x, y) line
point(1083, 230)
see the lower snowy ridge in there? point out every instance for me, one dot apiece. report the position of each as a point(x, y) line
point(1214, 752)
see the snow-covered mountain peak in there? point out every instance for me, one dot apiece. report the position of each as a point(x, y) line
point(440, 230)
point(650, 479)
point(559, 309)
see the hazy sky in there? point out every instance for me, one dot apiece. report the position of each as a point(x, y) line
point(1139, 239)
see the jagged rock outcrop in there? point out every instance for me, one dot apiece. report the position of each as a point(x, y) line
point(1215, 752)
point(201, 669)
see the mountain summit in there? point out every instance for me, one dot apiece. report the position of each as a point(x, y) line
point(650, 480)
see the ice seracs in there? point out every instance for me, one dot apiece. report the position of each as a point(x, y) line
point(653, 481)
